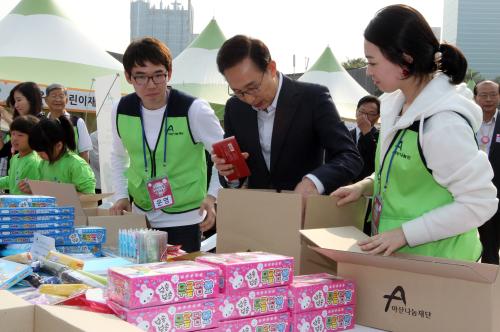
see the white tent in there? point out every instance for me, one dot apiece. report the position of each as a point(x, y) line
point(345, 91)
point(194, 71)
point(40, 44)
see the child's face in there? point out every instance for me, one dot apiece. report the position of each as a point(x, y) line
point(19, 141)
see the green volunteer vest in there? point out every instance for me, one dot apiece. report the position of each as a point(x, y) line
point(411, 192)
point(185, 164)
point(74, 121)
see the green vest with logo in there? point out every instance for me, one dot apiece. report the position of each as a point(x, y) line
point(185, 164)
point(411, 192)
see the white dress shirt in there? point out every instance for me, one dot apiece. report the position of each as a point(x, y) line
point(486, 129)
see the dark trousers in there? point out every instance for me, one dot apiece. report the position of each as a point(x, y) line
point(489, 233)
point(187, 236)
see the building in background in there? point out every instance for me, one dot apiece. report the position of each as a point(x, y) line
point(171, 23)
point(474, 26)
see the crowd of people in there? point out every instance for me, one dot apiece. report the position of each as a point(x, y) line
point(429, 169)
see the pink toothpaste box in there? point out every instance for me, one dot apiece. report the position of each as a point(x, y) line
point(268, 323)
point(318, 291)
point(257, 302)
point(147, 285)
point(332, 319)
point(250, 270)
point(187, 316)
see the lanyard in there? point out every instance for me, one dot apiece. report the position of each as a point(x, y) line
point(379, 175)
point(144, 142)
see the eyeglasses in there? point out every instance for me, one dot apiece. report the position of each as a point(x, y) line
point(486, 95)
point(144, 79)
point(251, 90)
point(366, 113)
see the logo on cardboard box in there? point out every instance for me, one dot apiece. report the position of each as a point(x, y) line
point(398, 294)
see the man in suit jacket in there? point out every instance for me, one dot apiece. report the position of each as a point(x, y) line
point(284, 126)
point(487, 95)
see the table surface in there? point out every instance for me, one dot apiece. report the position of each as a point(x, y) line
point(360, 328)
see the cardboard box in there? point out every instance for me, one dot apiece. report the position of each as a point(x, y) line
point(90, 216)
point(413, 293)
point(68, 319)
point(254, 220)
point(16, 314)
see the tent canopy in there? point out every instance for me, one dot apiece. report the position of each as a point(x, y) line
point(345, 91)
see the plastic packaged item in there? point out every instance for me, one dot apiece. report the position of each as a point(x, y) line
point(62, 289)
point(71, 262)
point(22, 258)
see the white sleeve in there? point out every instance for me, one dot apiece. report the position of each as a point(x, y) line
point(84, 141)
point(205, 128)
point(451, 153)
point(119, 160)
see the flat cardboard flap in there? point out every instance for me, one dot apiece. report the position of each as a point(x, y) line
point(65, 193)
point(339, 244)
point(322, 211)
point(91, 200)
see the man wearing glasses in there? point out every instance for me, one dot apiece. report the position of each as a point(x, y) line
point(487, 95)
point(283, 126)
point(158, 155)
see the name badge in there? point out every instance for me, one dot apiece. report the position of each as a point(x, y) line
point(160, 193)
point(376, 212)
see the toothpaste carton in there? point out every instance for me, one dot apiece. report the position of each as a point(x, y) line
point(86, 235)
point(332, 319)
point(147, 285)
point(252, 303)
point(187, 316)
point(59, 237)
point(251, 270)
point(36, 224)
point(10, 233)
point(36, 211)
point(318, 291)
point(12, 219)
point(268, 323)
point(94, 249)
point(25, 201)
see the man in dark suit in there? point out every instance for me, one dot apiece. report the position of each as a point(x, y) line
point(284, 126)
point(487, 95)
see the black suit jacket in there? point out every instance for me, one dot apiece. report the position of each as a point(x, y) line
point(494, 155)
point(306, 124)
point(367, 145)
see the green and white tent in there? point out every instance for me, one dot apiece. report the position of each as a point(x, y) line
point(194, 71)
point(41, 44)
point(345, 91)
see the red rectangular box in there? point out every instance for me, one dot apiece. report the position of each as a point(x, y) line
point(229, 150)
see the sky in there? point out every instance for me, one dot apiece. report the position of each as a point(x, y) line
point(288, 27)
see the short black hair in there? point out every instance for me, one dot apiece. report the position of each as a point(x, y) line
point(484, 81)
point(399, 29)
point(240, 47)
point(24, 124)
point(31, 91)
point(147, 49)
point(369, 99)
point(48, 132)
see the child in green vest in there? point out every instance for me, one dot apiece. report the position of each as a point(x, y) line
point(25, 164)
point(54, 141)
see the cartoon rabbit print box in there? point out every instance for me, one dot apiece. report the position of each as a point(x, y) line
point(319, 291)
point(251, 270)
point(146, 285)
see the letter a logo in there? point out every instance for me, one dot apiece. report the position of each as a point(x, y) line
point(393, 296)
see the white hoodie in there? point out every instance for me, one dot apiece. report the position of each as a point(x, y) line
point(451, 153)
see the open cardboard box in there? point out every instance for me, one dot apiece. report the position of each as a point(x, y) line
point(413, 293)
point(17, 315)
point(86, 211)
point(258, 220)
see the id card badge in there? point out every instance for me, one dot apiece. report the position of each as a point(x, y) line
point(160, 193)
point(376, 212)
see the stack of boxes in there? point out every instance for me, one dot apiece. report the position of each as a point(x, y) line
point(180, 296)
point(22, 216)
point(254, 290)
point(321, 302)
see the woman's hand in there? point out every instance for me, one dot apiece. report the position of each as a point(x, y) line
point(353, 192)
point(385, 243)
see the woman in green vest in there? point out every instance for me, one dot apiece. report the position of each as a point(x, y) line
point(432, 186)
point(24, 164)
point(54, 141)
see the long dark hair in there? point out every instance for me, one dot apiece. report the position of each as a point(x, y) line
point(399, 29)
point(48, 132)
point(32, 93)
